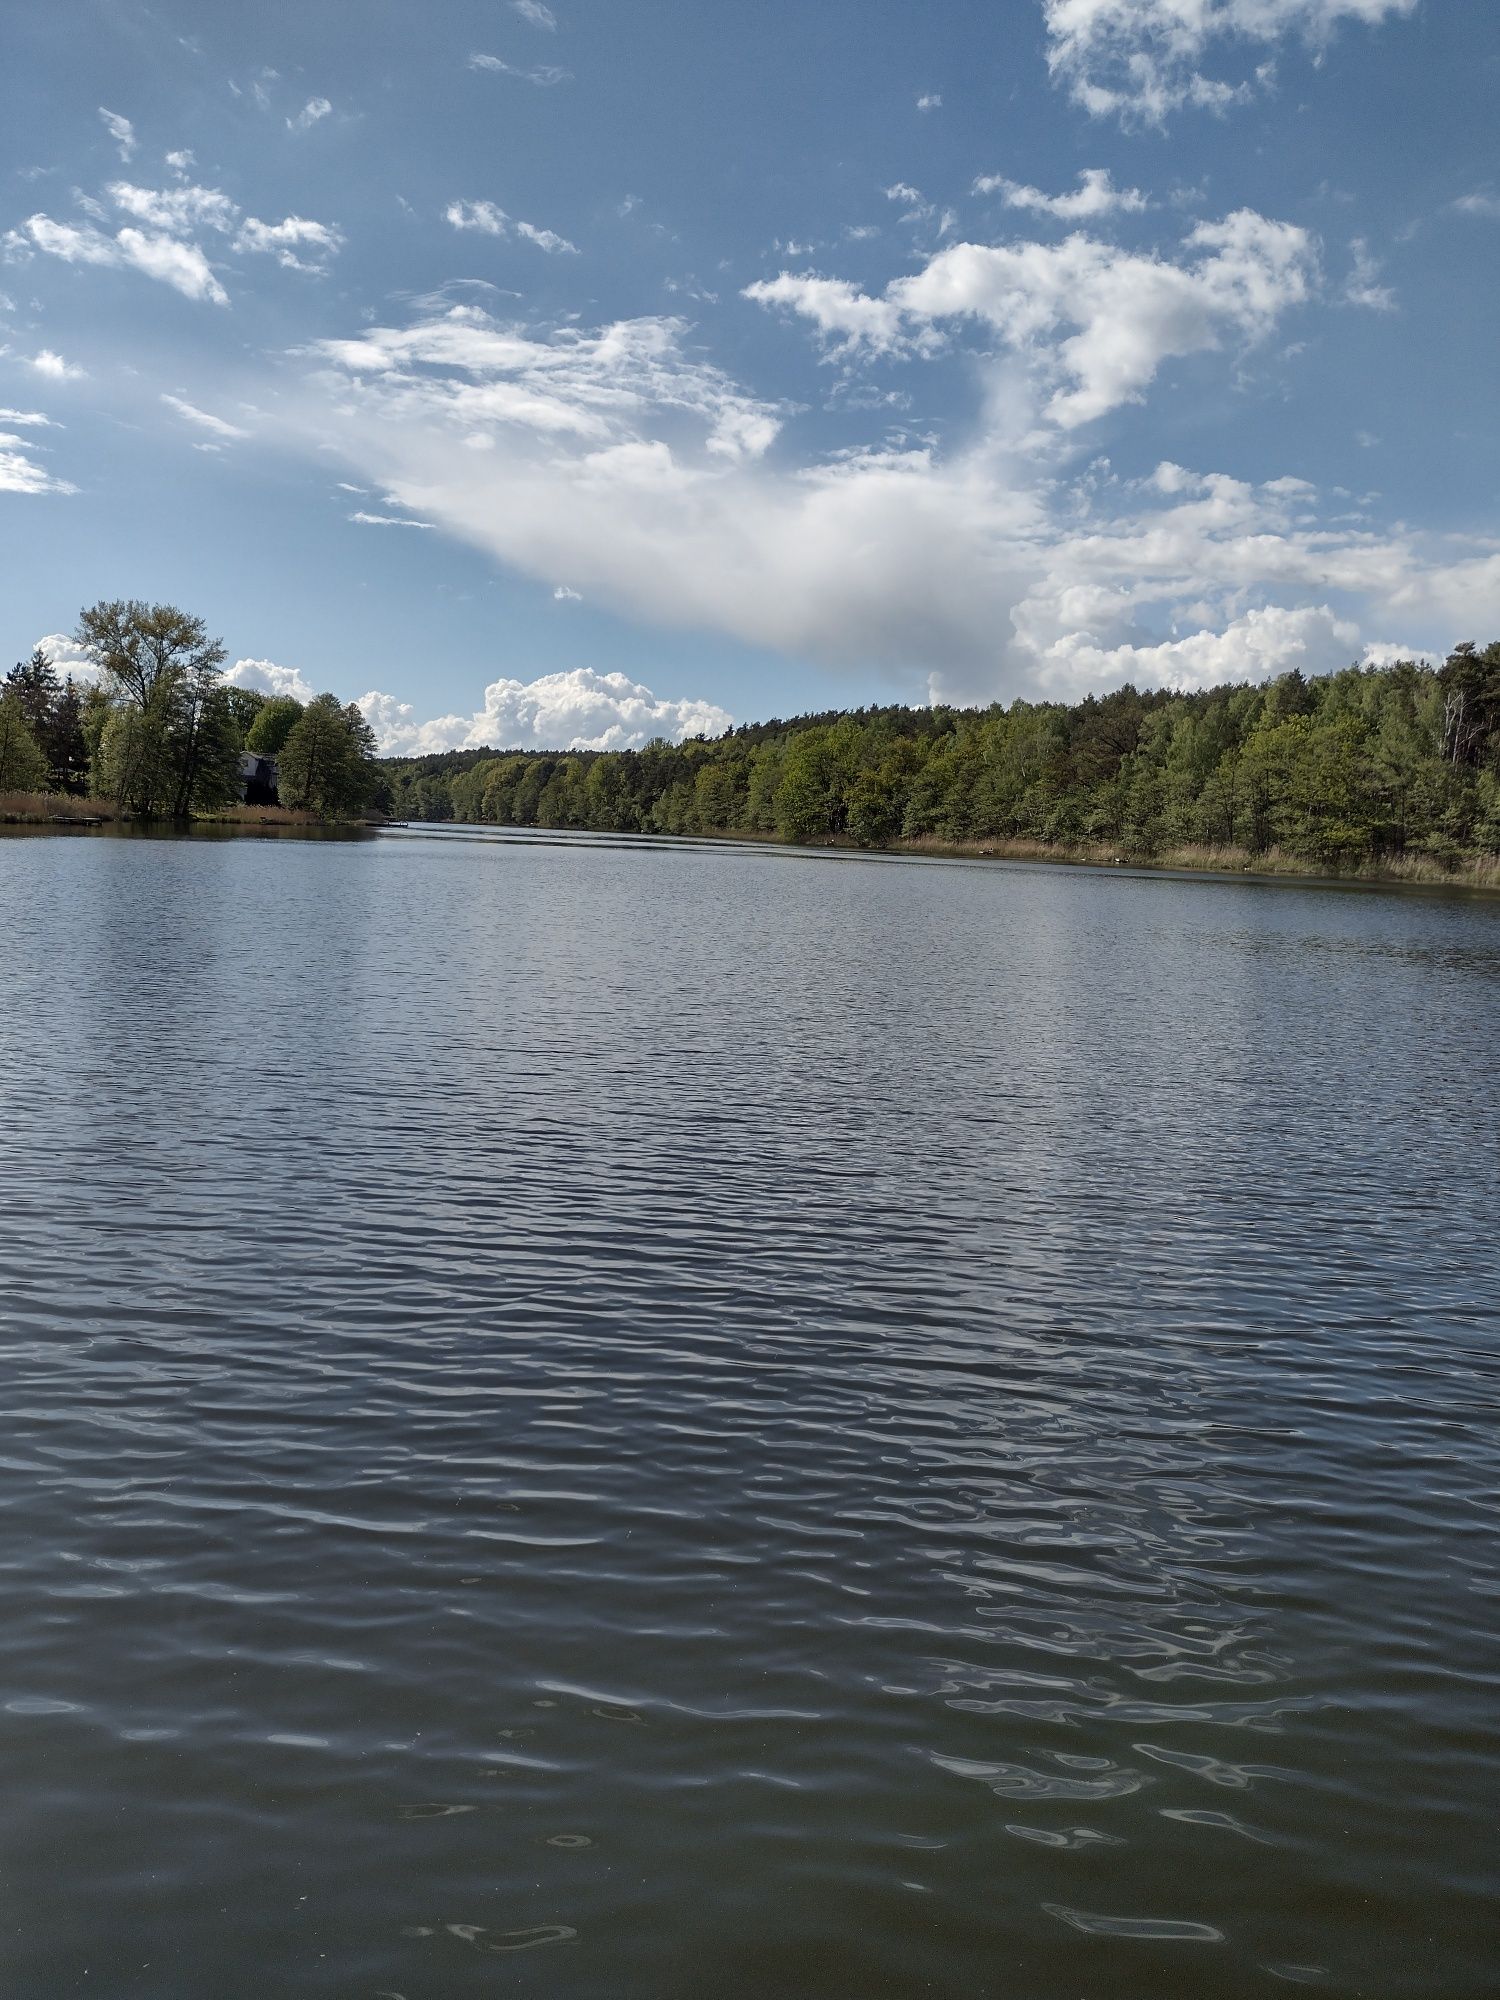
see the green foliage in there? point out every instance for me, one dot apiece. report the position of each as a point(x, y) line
point(23, 763)
point(327, 764)
point(1344, 769)
point(164, 731)
point(272, 724)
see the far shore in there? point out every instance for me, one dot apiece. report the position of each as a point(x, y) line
point(61, 812)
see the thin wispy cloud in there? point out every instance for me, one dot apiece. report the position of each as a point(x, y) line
point(1362, 287)
point(205, 420)
point(315, 109)
point(542, 74)
point(1095, 195)
point(535, 14)
point(121, 131)
point(547, 239)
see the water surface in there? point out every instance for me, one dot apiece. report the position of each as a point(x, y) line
point(623, 1422)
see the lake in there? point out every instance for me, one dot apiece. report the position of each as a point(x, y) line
point(629, 1420)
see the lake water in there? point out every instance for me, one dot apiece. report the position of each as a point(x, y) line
point(632, 1422)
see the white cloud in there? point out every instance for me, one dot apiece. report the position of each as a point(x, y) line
point(283, 240)
point(543, 74)
point(1479, 203)
point(183, 266)
point(1139, 59)
point(28, 418)
point(1095, 195)
point(481, 215)
point(547, 239)
point(19, 471)
point(387, 521)
point(1361, 288)
point(579, 710)
point(63, 651)
point(52, 365)
point(176, 211)
point(120, 130)
point(564, 595)
point(1094, 322)
point(314, 109)
point(265, 677)
point(840, 311)
point(1256, 647)
point(204, 419)
point(621, 460)
point(182, 161)
point(538, 15)
point(930, 100)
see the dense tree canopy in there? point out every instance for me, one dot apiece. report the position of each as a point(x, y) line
point(1349, 768)
point(168, 741)
point(23, 763)
point(274, 721)
point(52, 711)
point(326, 763)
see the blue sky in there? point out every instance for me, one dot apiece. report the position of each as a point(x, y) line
point(543, 374)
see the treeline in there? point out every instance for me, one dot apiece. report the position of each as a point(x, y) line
point(1365, 765)
point(160, 734)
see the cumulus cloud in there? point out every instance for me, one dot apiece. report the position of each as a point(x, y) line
point(930, 100)
point(536, 14)
point(1263, 643)
point(1095, 195)
point(265, 677)
point(295, 242)
point(580, 710)
point(52, 365)
point(120, 130)
point(845, 317)
point(19, 469)
point(1094, 322)
point(1140, 59)
point(162, 247)
point(63, 651)
point(564, 595)
point(176, 211)
point(314, 109)
point(481, 215)
point(544, 75)
point(181, 265)
point(620, 459)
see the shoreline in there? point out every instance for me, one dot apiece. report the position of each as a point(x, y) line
point(1480, 873)
point(1475, 874)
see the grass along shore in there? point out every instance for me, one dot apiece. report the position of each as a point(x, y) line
point(68, 809)
point(1481, 872)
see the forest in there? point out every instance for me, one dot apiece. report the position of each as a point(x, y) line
point(157, 732)
point(1362, 768)
point(1371, 769)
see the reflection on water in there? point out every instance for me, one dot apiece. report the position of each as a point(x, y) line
point(693, 1420)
